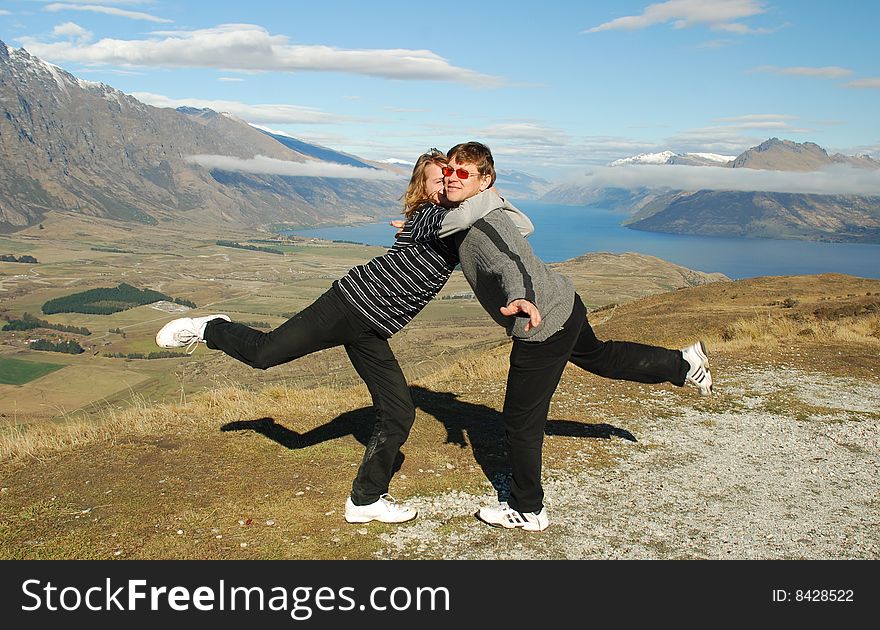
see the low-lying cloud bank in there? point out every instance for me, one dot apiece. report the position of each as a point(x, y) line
point(833, 180)
point(262, 165)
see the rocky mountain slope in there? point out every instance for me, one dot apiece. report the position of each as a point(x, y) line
point(68, 145)
point(785, 155)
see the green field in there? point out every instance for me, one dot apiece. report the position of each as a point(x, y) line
point(17, 372)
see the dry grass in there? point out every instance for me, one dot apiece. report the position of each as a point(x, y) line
point(141, 417)
point(774, 329)
point(224, 404)
point(476, 365)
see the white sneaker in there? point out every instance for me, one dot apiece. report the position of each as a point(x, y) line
point(699, 374)
point(505, 516)
point(185, 331)
point(385, 510)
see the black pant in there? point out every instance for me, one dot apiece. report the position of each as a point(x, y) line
point(330, 321)
point(535, 370)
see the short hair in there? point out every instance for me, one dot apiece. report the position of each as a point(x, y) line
point(475, 153)
point(416, 194)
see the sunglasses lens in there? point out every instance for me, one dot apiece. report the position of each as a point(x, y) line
point(460, 172)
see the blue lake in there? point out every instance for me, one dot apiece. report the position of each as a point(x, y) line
point(563, 232)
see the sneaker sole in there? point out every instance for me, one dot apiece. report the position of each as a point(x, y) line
point(500, 526)
point(704, 361)
point(359, 520)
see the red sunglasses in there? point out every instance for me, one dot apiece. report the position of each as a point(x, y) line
point(460, 172)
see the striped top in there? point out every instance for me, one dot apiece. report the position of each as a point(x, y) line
point(391, 289)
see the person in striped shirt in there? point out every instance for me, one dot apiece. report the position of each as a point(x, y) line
point(360, 312)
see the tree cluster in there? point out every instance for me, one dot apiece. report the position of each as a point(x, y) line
point(255, 248)
point(29, 322)
point(68, 346)
point(161, 354)
point(20, 259)
point(104, 301)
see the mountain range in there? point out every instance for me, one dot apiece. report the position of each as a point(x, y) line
point(831, 217)
point(74, 146)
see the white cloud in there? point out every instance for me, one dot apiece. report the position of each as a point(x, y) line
point(736, 135)
point(746, 118)
point(5, 12)
point(713, 44)
point(865, 83)
point(252, 48)
point(686, 13)
point(230, 79)
point(98, 8)
point(110, 2)
point(405, 110)
point(73, 31)
point(266, 113)
point(872, 150)
point(261, 164)
point(825, 72)
point(116, 71)
point(525, 131)
point(833, 180)
point(742, 29)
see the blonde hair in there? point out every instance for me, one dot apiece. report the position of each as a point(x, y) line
point(416, 194)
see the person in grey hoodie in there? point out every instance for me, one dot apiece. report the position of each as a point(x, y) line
point(547, 320)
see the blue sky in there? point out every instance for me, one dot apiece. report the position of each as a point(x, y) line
point(552, 87)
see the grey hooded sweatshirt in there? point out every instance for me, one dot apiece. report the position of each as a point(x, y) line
point(501, 267)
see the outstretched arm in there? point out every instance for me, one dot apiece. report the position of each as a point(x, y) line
point(472, 210)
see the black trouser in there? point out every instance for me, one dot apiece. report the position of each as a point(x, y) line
point(330, 321)
point(535, 370)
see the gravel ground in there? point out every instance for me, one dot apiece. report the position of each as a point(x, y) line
point(784, 464)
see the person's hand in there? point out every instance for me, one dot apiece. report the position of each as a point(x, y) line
point(397, 223)
point(525, 308)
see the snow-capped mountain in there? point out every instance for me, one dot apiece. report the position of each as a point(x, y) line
point(670, 157)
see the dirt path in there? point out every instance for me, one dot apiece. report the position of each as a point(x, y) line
point(783, 463)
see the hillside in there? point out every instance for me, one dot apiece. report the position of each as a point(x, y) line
point(70, 146)
point(753, 214)
point(780, 463)
point(833, 218)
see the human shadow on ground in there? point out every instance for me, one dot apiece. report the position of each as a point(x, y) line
point(465, 423)
point(482, 426)
point(358, 423)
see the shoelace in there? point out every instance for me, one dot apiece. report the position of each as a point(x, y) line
point(191, 341)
